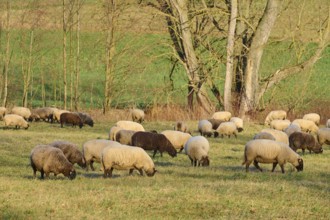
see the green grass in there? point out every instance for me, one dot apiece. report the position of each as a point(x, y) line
point(177, 191)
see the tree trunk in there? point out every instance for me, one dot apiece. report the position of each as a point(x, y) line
point(259, 40)
point(64, 59)
point(230, 58)
point(6, 66)
point(27, 75)
point(76, 97)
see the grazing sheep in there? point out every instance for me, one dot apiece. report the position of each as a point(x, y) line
point(153, 141)
point(280, 125)
point(181, 126)
point(15, 120)
point(197, 149)
point(3, 111)
point(177, 138)
point(44, 114)
point(22, 111)
point(137, 115)
point(277, 114)
point(215, 123)
point(301, 140)
point(222, 115)
point(127, 158)
point(57, 114)
point(130, 125)
point(70, 118)
point(314, 117)
point(71, 152)
point(238, 122)
point(328, 123)
point(279, 136)
point(92, 150)
point(306, 125)
point(86, 118)
point(269, 151)
point(323, 136)
point(205, 128)
point(48, 159)
point(292, 128)
point(113, 131)
point(264, 135)
point(226, 128)
point(124, 136)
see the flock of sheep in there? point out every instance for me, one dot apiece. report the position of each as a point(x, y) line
point(128, 142)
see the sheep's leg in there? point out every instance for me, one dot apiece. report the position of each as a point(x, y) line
point(282, 167)
point(247, 164)
point(274, 166)
point(140, 171)
point(235, 136)
point(91, 165)
point(155, 151)
point(303, 151)
point(130, 172)
point(192, 162)
point(195, 163)
point(181, 150)
point(110, 172)
point(255, 163)
point(42, 174)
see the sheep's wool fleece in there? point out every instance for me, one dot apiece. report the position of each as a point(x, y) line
point(222, 115)
point(197, 147)
point(306, 125)
point(127, 157)
point(15, 120)
point(276, 114)
point(279, 136)
point(177, 138)
point(94, 148)
point(130, 125)
point(227, 128)
point(204, 125)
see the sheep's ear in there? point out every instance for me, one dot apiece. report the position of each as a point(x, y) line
point(300, 160)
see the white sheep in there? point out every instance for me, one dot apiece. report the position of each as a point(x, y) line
point(306, 125)
point(238, 122)
point(197, 149)
point(92, 150)
point(279, 136)
point(15, 120)
point(177, 138)
point(226, 128)
point(222, 115)
point(280, 125)
point(205, 128)
point(113, 131)
point(127, 158)
point(269, 151)
point(130, 125)
point(22, 111)
point(181, 126)
point(314, 117)
point(323, 136)
point(328, 123)
point(124, 136)
point(276, 114)
point(3, 111)
point(57, 114)
point(292, 128)
point(137, 115)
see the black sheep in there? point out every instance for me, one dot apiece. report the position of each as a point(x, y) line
point(71, 118)
point(303, 140)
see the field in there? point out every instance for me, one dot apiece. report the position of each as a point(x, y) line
point(177, 191)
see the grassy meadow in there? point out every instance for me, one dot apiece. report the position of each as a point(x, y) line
point(177, 191)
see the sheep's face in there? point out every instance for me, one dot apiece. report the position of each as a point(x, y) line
point(300, 166)
point(81, 125)
point(90, 123)
point(205, 162)
point(317, 150)
point(152, 173)
point(72, 174)
point(171, 151)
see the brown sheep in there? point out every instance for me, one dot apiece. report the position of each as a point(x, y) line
point(301, 140)
point(215, 123)
point(153, 141)
point(48, 159)
point(70, 118)
point(86, 118)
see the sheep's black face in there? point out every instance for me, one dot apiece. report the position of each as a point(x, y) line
point(240, 129)
point(205, 162)
point(81, 125)
point(90, 123)
point(72, 174)
point(216, 134)
point(150, 174)
point(318, 150)
point(300, 166)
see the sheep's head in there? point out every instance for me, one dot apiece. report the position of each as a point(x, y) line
point(300, 166)
point(152, 173)
point(72, 174)
point(171, 151)
point(205, 162)
point(81, 124)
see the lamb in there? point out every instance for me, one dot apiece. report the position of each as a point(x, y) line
point(181, 126)
point(86, 118)
point(238, 122)
point(314, 117)
point(222, 115)
point(205, 128)
point(22, 111)
point(264, 135)
point(137, 115)
point(113, 131)
point(327, 125)
point(276, 114)
point(3, 111)
point(44, 114)
point(48, 159)
point(124, 136)
point(280, 125)
point(130, 125)
point(226, 128)
point(269, 151)
point(92, 150)
point(279, 136)
point(177, 138)
point(70, 118)
point(292, 128)
point(15, 120)
point(71, 152)
point(301, 140)
point(127, 158)
point(197, 149)
point(215, 123)
point(306, 125)
point(323, 136)
point(153, 141)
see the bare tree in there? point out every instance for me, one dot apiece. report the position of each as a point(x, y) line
point(7, 58)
